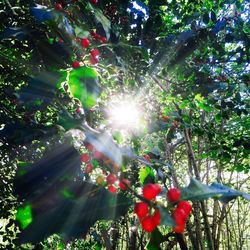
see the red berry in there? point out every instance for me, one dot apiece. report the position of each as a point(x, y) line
point(158, 188)
point(179, 228)
point(124, 183)
point(157, 218)
point(147, 157)
point(94, 52)
point(97, 155)
point(173, 194)
point(112, 189)
point(176, 124)
point(85, 42)
point(93, 60)
point(97, 36)
point(165, 118)
point(79, 111)
point(186, 206)
point(111, 179)
point(89, 146)
point(94, 1)
point(148, 224)
point(179, 216)
point(141, 209)
point(92, 33)
point(103, 39)
point(77, 39)
point(85, 157)
point(58, 6)
point(88, 168)
point(150, 191)
point(60, 40)
point(76, 64)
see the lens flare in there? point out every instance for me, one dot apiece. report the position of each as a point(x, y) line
point(125, 115)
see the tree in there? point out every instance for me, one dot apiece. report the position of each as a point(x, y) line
point(72, 161)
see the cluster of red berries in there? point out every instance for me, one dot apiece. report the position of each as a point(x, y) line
point(111, 179)
point(98, 37)
point(86, 157)
point(94, 53)
point(181, 212)
point(150, 218)
point(176, 124)
point(85, 43)
point(165, 118)
point(149, 221)
point(168, 119)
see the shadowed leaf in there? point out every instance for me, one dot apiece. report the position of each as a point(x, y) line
point(199, 191)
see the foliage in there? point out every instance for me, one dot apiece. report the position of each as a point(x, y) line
point(184, 63)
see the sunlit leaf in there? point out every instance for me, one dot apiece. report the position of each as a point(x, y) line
point(24, 216)
point(144, 173)
point(83, 84)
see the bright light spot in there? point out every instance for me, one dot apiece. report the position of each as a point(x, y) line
point(125, 115)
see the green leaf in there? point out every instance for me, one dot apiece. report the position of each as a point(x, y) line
point(54, 191)
point(199, 191)
point(155, 240)
point(90, 204)
point(204, 106)
point(84, 86)
point(62, 78)
point(166, 218)
point(67, 121)
point(67, 193)
point(24, 216)
point(117, 135)
point(206, 18)
point(22, 167)
point(198, 97)
point(81, 32)
point(213, 16)
point(218, 118)
point(144, 173)
point(184, 104)
point(83, 72)
point(161, 146)
point(102, 19)
point(23, 164)
point(60, 246)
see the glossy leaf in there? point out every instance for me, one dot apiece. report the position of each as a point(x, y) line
point(19, 33)
point(166, 218)
point(41, 13)
point(199, 191)
point(59, 200)
point(155, 240)
point(83, 84)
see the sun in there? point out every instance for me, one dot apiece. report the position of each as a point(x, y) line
point(125, 114)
